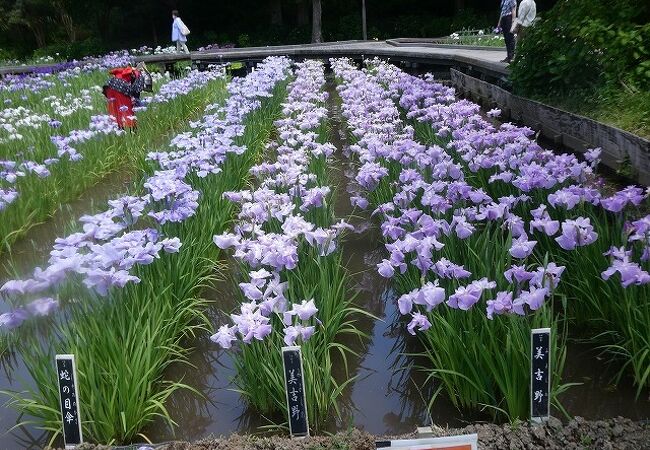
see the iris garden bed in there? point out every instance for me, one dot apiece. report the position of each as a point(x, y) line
point(485, 235)
point(57, 140)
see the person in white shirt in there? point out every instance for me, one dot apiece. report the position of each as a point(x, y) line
point(179, 33)
point(525, 18)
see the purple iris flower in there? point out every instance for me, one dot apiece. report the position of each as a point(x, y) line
point(360, 202)
point(22, 287)
point(534, 298)
point(322, 239)
point(521, 247)
point(565, 198)
point(13, 319)
point(405, 302)
point(304, 311)
point(42, 306)
point(419, 322)
point(224, 336)
point(542, 221)
point(616, 203)
point(292, 333)
point(7, 197)
point(547, 277)
point(446, 269)
point(518, 273)
point(430, 295)
point(593, 156)
point(462, 227)
point(516, 226)
point(386, 269)
point(464, 298)
point(226, 240)
point(171, 245)
point(251, 291)
point(501, 305)
point(102, 280)
point(631, 272)
point(576, 233)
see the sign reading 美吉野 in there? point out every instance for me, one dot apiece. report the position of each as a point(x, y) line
point(540, 376)
point(66, 371)
point(295, 389)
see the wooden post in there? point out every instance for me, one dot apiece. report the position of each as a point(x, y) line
point(364, 28)
point(316, 23)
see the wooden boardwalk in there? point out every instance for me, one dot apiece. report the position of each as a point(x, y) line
point(482, 60)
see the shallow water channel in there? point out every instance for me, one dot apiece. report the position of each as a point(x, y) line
point(387, 396)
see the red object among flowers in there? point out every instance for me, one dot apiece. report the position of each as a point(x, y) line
point(119, 91)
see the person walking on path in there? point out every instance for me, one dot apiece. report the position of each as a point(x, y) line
point(525, 18)
point(179, 33)
point(508, 14)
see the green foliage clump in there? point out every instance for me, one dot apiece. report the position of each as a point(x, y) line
point(65, 50)
point(586, 44)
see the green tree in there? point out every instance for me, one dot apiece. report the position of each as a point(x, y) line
point(33, 15)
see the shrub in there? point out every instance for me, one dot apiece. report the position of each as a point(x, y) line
point(243, 40)
point(72, 50)
point(582, 44)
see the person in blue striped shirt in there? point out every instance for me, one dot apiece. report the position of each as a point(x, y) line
point(508, 13)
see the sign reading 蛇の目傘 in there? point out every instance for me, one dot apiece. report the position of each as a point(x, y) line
point(67, 375)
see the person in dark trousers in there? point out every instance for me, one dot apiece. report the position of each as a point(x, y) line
point(508, 13)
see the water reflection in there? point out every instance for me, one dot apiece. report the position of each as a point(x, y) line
point(29, 438)
point(385, 397)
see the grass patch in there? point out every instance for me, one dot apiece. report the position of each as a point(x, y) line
point(622, 108)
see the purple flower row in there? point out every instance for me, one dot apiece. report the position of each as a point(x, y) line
point(182, 86)
point(434, 203)
point(113, 242)
point(272, 228)
point(415, 233)
point(45, 78)
point(512, 157)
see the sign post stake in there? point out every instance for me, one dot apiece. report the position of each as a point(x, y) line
point(540, 374)
point(294, 382)
point(66, 374)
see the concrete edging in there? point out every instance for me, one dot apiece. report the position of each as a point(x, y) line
point(563, 128)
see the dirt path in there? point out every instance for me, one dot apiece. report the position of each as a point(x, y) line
point(579, 434)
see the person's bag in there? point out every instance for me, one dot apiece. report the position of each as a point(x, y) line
point(515, 25)
point(146, 76)
point(183, 28)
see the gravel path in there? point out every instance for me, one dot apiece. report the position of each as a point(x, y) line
point(578, 434)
